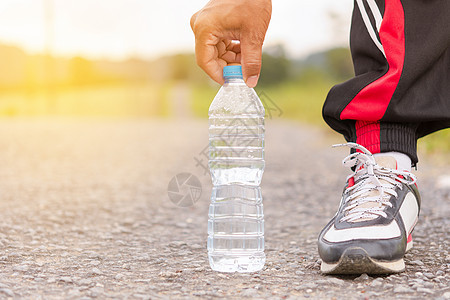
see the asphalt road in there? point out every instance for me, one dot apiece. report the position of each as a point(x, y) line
point(85, 213)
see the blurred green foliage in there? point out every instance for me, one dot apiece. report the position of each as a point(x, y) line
point(119, 100)
point(276, 67)
point(299, 88)
point(36, 84)
point(437, 143)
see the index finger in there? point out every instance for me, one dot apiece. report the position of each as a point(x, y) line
point(207, 56)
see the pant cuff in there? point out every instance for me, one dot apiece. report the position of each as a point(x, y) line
point(385, 137)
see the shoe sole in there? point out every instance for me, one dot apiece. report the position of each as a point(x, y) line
point(356, 261)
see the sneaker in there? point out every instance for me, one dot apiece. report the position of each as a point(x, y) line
point(372, 229)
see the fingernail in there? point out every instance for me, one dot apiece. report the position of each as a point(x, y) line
point(252, 81)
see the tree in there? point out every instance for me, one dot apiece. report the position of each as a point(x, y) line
point(275, 65)
point(339, 62)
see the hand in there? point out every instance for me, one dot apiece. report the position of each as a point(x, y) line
point(231, 31)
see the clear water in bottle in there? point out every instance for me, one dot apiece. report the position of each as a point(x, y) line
point(236, 163)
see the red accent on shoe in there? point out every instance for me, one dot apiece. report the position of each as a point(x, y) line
point(409, 238)
point(351, 182)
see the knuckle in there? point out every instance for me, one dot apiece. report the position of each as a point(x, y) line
point(252, 63)
point(192, 20)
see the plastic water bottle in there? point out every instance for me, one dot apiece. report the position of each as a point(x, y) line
point(236, 163)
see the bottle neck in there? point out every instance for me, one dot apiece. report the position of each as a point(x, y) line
point(237, 79)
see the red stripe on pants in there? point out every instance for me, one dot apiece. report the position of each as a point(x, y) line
point(371, 102)
point(368, 135)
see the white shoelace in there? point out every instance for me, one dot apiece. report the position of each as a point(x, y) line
point(369, 174)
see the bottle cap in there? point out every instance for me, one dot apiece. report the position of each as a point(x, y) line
point(232, 71)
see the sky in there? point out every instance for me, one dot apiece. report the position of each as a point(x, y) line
point(117, 29)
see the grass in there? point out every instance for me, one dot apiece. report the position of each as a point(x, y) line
point(201, 98)
point(292, 100)
point(124, 100)
point(437, 143)
point(298, 101)
point(302, 101)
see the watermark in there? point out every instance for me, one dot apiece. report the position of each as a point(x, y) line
point(229, 136)
point(271, 108)
point(184, 189)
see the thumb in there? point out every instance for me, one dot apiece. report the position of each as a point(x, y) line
point(251, 52)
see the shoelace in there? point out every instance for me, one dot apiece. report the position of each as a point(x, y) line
point(369, 174)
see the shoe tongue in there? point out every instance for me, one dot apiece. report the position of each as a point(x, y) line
point(383, 161)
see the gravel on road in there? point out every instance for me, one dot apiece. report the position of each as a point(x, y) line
point(85, 213)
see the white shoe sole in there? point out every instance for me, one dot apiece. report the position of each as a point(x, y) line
point(357, 261)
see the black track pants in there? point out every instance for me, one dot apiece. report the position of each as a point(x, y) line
point(401, 91)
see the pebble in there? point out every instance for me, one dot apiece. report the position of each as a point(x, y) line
point(309, 285)
point(94, 263)
point(196, 246)
point(428, 275)
point(417, 262)
point(336, 281)
point(51, 280)
point(362, 277)
point(65, 279)
point(377, 282)
point(96, 271)
point(200, 269)
point(119, 276)
point(21, 268)
point(7, 292)
point(74, 292)
point(424, 290)
point(402, 289)
point(142, 296)
point(168, 274)
point(177, 244)
point(85, 281)
point(249, 293)
point(418, 280)
point(96, 291)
